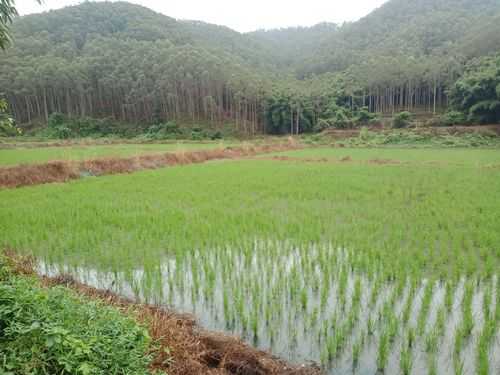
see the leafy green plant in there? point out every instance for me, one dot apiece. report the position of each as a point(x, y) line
point(52, 331)
point(453, 118)
point(402, 120)
point(7, 125)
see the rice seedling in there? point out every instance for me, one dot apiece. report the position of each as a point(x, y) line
point(335, 264)
point(425, 305)
point(383, 352)
point(432, 364)
point(406, 360)
point(458, 365)
point(483, 347)
point(467, 316)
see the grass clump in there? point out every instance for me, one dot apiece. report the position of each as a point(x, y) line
point(53, 331)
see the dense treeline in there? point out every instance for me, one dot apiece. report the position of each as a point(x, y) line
point(477, 93)
point(115, 60)
point(129, 64)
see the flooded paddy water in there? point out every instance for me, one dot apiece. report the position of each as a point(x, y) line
point(325, 304)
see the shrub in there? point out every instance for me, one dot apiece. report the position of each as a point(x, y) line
point(197, 134)
point(364, 117)
point(344, 118)
point(321, 125)
point(453, 118)
point(167, 130)
point(216, 135)
point(7, 124)
point(402, 120)
point(8, 129)
point(52, 331)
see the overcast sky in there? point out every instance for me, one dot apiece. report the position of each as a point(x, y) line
point(239, 15)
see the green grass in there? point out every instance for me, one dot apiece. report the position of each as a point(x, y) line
point(439, 217)
point(269, 244)
point(54, 331)
point(439, 157)
point(10, 157)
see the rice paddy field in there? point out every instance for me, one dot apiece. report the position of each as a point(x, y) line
point(361, 260)
point(32, 155)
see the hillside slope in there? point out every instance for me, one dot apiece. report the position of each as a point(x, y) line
point(125, 62)
point(416, 28)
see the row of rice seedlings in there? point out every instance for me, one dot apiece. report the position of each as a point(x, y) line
point(489, 330)
point(357, 238)
point(424, 306)
point(258, 290)
point(432, 340)
point(406, 359)
point(464, 329)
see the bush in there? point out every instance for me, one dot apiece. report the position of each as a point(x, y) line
point(7, 124)
point(168, 130)
point(402, 120)
point(216, 135)
point(453, 118)
point(364, 117)
point(321, 125)
point(197, 134)
point(344, 118)
point(53, 331)
point(8, 129)
point(63, 127)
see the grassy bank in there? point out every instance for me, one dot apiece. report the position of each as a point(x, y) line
point(55, 331)
point(32, 155)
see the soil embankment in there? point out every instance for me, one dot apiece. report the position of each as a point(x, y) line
point(62, 171)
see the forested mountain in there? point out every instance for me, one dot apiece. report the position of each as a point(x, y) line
point(403, 28)
point(290, 46)
point(125, 62)
point(129, 63)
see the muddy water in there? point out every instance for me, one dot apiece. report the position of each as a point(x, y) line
point(295, 302)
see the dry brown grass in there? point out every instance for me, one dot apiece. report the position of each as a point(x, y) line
point(62, 171)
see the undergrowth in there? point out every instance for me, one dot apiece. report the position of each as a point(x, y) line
point(409, 138)
point(54, 331)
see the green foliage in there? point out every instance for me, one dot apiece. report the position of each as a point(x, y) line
point(338, 116)
point(51, 331)
point(364, 117)
point(404, 30)
point(357, 254)
point(63, 127)
point(477, 92)
point(411, 138)
point(451, 118)
point(7, 14)
point(7, 127)
point(170, 130)
point(124, 62)
point(287, 114)
point(402, 120)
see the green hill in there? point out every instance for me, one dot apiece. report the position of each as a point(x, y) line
point(127, 63)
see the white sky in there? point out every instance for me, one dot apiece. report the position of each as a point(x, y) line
point(247, 15)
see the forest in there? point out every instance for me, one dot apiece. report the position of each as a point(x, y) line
point(119, 63)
